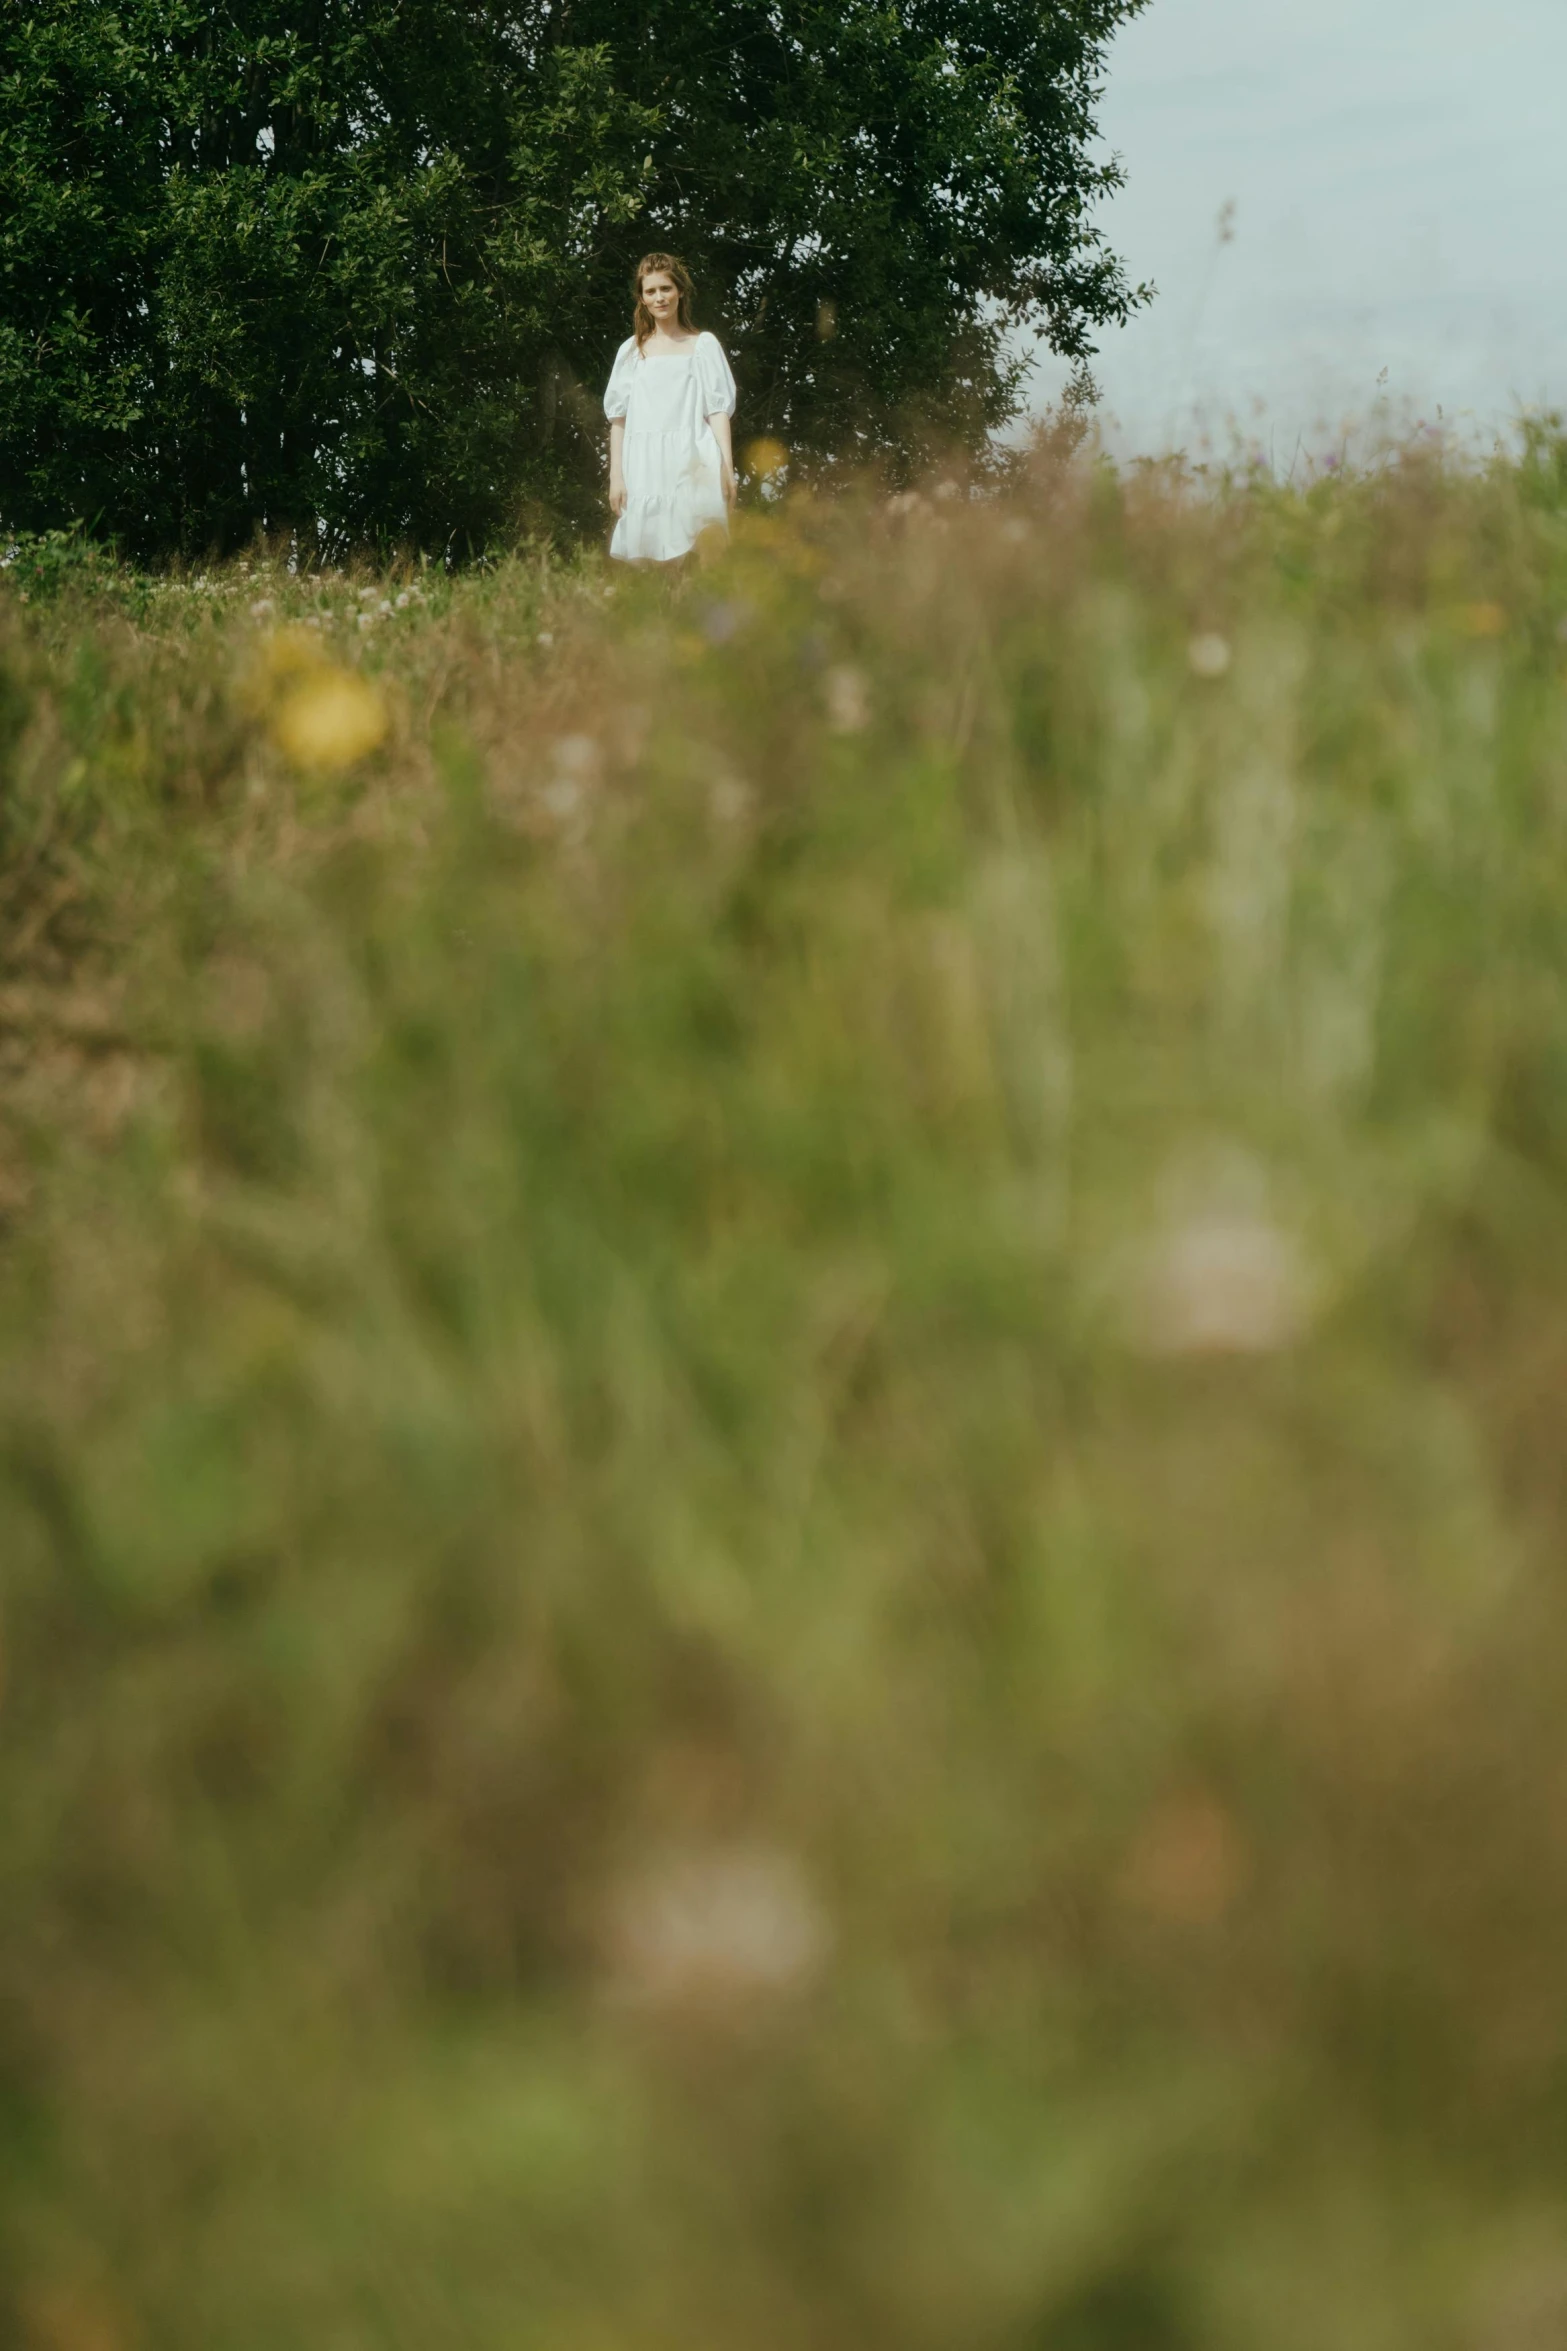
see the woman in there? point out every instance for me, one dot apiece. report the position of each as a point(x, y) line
point(670, 398)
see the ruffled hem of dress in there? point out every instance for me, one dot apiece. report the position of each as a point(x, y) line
point(644, 532)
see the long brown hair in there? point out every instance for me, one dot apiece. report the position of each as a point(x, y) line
point(671, 268)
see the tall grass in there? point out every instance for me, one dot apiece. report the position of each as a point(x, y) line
point(783, 1425)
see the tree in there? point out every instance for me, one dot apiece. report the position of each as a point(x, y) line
point(342, 267)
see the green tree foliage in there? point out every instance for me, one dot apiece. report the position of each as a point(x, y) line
point(343, 267)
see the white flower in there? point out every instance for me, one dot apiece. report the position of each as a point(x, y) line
point(403, 600)
point(737, 1922)
point(848, 701)
point(577, 756)
point(1209, 656)
point(545, 637)
point(730, 799)
point(1224, 1281)
point(261, 607)
point(576, 762)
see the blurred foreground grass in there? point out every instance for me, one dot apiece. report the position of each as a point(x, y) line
point(784, 1380)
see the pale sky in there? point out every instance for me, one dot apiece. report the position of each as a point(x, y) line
point(1398, 170)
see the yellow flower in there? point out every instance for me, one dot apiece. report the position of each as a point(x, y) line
point(329, 720)
point(766, 457)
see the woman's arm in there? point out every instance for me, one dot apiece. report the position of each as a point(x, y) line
point(617, 476)
point(722, 434)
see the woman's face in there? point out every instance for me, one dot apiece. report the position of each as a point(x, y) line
point(662, 297)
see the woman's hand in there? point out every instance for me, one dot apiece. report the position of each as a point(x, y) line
point(731, 486)
point(617, 495)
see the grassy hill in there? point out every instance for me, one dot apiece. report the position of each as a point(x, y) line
point(783, 1436)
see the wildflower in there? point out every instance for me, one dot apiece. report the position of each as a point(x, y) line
point(848, 701)
point(730, 799)
point(765, 458)
point(1186, 1866)
point(330, 720)
point(1225, 1280)
point(1209, 656)
point(575, 764)
point(577, 755)
point(261, 607)
point(403, 600)
point(736, 1923)
point(720, 622)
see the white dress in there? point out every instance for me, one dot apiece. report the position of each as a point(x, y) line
point(671, 460)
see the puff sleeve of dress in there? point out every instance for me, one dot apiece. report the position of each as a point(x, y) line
point(617, 396)
point(715, 377)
